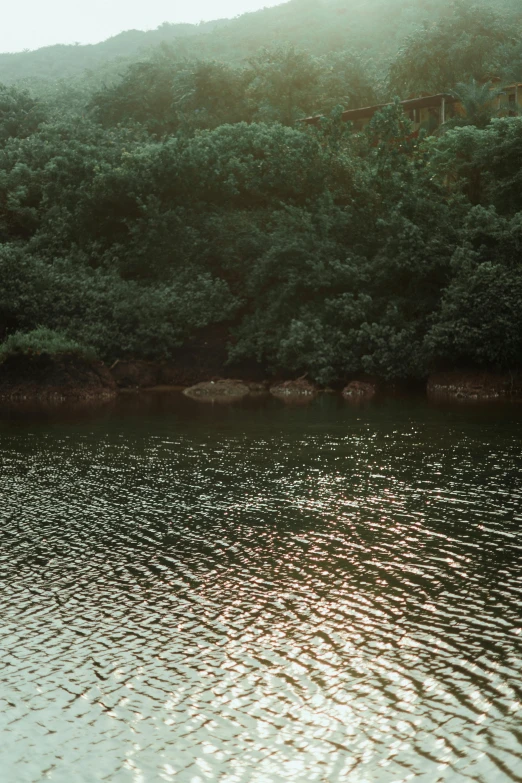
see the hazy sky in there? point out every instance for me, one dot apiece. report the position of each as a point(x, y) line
point(29, 24)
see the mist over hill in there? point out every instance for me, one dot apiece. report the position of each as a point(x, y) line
point(377, 27)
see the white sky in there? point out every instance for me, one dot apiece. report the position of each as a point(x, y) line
point(29, 24)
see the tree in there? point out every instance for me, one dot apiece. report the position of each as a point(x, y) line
point(479, 322)
point(469, 43)
point(479, 103)
point(348, 79)
point(285, 85)
point(483, 163)
point(20, 114)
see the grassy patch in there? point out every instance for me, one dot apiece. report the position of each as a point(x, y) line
point(43, 340)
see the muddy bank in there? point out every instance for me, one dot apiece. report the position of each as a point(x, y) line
point(202, 358)
point(67, 376)
point(60, 377)
point(455, 385)
point(474, 386)
point(140, 374)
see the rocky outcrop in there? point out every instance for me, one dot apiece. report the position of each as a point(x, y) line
point(298, 390)
point(58, 377)
point(359, 390)
point(478, 386)
point(219, 390)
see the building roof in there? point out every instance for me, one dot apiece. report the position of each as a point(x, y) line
point(427, 101)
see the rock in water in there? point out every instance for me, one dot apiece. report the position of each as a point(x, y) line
point(299, 390)
point(220, 390)
point(360, 390)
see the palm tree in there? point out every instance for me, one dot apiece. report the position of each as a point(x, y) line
point(478, 102)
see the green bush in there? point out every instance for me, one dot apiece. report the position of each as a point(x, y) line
point(43, 340)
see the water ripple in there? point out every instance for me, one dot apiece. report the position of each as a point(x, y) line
point(261, 597)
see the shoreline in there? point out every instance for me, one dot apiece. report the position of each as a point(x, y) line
point(61, 377)
point(460, 387)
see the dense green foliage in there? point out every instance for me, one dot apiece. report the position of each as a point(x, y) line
point(43, 340)
point(137, 209)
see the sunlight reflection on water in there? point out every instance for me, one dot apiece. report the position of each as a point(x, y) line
point(258, 595)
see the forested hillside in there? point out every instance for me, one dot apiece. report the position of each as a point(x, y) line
point(378, 28)
point(318, 27)
point(145, 200)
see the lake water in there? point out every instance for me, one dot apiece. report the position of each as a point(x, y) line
point(260, 593)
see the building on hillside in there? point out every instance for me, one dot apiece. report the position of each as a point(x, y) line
point(510, 100)
point(430, 111)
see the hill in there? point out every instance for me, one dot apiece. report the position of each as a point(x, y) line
point(317, 26)
point(157, 198)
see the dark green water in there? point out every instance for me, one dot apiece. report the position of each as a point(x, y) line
point(259, 593)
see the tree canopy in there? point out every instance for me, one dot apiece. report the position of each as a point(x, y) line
point(176, 192)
